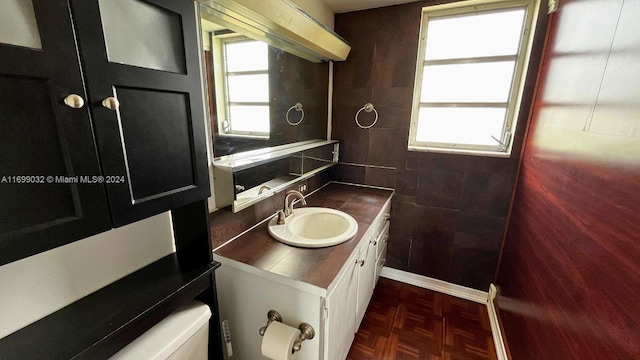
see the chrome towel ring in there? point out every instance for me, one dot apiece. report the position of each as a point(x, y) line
point(368, 107)
point(296, 107)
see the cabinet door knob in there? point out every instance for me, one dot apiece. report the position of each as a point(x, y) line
point(111, 103)
point(74, 101)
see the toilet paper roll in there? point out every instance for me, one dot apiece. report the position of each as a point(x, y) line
point(277, 342)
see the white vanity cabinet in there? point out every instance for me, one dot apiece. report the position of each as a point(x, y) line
point(341, 313)
point(247, 293)
point(381, 253)
point(366, 267)
point(371, 260)
point(347, 302)
point(382, 240)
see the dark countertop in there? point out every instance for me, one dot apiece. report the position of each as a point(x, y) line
point(317, 267)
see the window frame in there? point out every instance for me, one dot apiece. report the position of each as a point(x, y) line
point(218, 43)
point(461, 8)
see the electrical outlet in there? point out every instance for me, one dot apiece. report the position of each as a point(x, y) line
point(226, 332)
point(302, 188)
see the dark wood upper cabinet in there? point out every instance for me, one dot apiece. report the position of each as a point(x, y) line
point(40, 136)
point(145, 54)
point(150, 151)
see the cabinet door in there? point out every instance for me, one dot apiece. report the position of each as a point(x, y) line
point(366, 279)
point(41, 136)
point(144, 54)
point(342, 315)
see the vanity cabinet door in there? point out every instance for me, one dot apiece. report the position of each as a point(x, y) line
point(141, 64)
point(341, 305)
point(366, 278)
point(41, 136)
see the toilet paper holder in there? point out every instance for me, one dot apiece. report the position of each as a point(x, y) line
point(306, 330)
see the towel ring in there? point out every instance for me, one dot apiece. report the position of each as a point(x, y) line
point(296, 107)
point(368, 107)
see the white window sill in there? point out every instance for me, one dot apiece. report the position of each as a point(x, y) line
point(497, 154)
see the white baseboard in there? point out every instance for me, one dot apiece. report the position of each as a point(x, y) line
point(501, 351)
point(435, 285)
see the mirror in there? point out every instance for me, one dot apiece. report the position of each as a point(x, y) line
point(253, 87)
point(246, 178)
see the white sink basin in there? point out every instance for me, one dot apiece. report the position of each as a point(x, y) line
point(314, 227)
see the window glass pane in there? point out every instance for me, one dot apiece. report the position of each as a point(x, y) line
point(460, 125)
point(473, 35)
point(155, 42)
point(246, 56)
point(248, 88)
point(475, 82)
point(249, 118)
point(18, 24)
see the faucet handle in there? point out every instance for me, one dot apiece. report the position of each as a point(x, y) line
point(281, 217)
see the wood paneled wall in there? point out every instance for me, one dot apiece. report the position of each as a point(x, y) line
point(569, 279)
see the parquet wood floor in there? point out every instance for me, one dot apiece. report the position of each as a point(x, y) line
point(408, 322)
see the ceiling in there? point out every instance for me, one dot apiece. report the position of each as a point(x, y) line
point(341, 6)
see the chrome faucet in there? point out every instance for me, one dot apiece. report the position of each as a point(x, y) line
point(288, 206)
point(263, 188)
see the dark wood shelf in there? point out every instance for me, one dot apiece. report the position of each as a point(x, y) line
point(103, 322)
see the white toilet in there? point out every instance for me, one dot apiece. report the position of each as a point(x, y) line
point(183, 335)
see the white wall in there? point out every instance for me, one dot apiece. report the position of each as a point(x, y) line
point(37, 286)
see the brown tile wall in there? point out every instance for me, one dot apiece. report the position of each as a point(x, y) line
point(449, 212)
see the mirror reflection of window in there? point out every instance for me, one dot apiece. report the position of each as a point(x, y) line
point(243, 87)
point(240, 123)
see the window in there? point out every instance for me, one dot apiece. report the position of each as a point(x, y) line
point(472, 61)
point(243, 87)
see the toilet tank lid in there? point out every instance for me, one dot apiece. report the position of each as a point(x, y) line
point(168, 335)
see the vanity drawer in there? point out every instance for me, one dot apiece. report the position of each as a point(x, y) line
point(383, 219)
point(382, 239)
